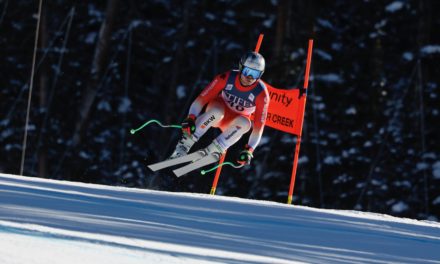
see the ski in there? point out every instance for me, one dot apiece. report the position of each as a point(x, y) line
point(206, 160)
point(176, 161)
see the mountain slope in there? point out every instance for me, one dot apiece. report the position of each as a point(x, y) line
point(95, 223)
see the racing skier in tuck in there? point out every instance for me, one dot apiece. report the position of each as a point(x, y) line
point(230, 99)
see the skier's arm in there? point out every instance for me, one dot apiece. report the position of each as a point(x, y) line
point(262, 105)
point(209, 93)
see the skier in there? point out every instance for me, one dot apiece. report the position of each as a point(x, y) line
point(230, 99)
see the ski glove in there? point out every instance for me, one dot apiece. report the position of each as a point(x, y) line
point(189, 125)
point(245, 156)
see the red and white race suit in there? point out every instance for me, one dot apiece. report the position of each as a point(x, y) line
point(229, 107)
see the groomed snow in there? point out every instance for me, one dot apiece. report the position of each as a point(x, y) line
point(46, 221)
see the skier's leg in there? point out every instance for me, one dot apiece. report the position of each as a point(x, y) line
point(214, 113)
point(236, 129)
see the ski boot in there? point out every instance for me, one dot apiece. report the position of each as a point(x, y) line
point(215, 148)
point(183, 146)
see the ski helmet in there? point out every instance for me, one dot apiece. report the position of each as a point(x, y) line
point(254, 61)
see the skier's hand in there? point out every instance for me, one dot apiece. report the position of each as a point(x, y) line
point(245, 156)
point(189, 125)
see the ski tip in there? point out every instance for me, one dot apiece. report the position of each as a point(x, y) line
point(176, 173)
point(152, 167)
point(179, 173)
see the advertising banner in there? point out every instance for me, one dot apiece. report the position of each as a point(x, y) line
point(284, 109)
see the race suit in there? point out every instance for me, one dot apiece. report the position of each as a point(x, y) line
point(229, 107)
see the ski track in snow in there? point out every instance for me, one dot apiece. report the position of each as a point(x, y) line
point(47, 221)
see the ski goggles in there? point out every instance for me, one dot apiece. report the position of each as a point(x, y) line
point(256, 74)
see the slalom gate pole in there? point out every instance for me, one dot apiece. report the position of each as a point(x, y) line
point(217, 175)
point(260, 40)
point(219, 169)
point(300, 117)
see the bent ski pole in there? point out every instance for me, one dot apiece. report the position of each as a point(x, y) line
point(132, 131)
point(203, 172)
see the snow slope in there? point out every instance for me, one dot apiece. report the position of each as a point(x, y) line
point(46, 221)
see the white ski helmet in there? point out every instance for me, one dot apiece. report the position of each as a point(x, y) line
point(253, 60)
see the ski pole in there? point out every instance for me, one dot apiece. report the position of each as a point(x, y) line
point(203, 172)
point(132, 131)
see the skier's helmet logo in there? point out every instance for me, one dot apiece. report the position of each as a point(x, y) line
point(253, 64)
